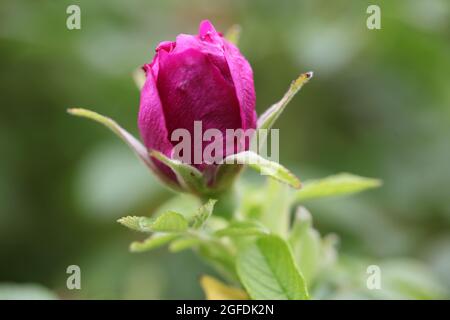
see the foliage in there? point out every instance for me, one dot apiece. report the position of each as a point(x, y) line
point(269, 265)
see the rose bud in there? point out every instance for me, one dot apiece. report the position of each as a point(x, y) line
point(203, 86)
point(203, 78)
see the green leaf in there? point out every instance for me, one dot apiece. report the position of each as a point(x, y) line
point(302, 221)
point(220, 257)
point(154, 241)
point(188, 176)
point(216, 223)
point(184, 243)
point(242, 228)
point(267, 270)
point(264, 166)
point(233, 34)
point(276, 207)
point(306, 245)
point(183, 203)
point(336, 185)
point(168, 222)
point(202, 214)
point(268, 118)
point(131, 141)
point(135, 223)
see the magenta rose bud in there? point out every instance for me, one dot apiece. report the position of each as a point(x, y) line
point(200, 77)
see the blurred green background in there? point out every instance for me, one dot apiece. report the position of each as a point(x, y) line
point(379, 106)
